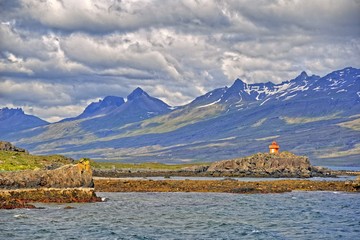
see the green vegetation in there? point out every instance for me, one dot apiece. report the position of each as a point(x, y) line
point(148, 166)
point(172, 121)
point(354, 124)
point(302, 120)
point(337, 152)
point(15, 161)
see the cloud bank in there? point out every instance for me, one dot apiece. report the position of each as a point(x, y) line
point(56, 56)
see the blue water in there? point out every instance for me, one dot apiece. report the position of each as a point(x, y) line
point(295, 215)
point(345, 168)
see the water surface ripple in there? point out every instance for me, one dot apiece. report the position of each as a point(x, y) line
point(295, 215)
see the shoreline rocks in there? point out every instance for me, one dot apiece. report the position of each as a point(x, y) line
point(66, 184)
point(226, 186)
point(14, 203)
point(19, 198)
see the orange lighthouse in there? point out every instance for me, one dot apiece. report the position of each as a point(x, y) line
point(274, 147)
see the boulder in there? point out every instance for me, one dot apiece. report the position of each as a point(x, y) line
point(356, 184)
point(68, 176)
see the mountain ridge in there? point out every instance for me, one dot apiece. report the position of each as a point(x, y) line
point(13, 120)
point(303, 114)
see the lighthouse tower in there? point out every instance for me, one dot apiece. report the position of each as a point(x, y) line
point(274, 147)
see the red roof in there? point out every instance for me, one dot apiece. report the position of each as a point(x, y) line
point(274, 145)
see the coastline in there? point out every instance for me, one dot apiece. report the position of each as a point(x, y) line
point(78, 183)
point(226, 186)
point(22, 198)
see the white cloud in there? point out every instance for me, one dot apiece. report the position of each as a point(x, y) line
point(175, 50)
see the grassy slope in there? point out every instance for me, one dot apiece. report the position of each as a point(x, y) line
point(148, 166)
point(303, 120)
point(353, 124)
point(14, 161)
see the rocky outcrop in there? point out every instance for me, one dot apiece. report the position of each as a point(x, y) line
point(282, 164)
point(68, 176)
point(58, 195)
point(6, 146)
point(14, 203)
point(356, 184)
point(195, 169)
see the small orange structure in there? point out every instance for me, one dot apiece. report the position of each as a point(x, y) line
point(274, 147)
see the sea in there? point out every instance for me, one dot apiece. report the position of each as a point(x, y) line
point(293, 215)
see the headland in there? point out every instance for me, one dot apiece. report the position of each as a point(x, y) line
point(64, 184)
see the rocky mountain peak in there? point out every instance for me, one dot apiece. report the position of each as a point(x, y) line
point(112, 100)
point(11, 111)
point(107, 102)
point(303, 75)
point(138, 92)
point(15, 119)
point(238, 85)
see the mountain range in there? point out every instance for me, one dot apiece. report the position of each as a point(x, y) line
point(310, 115)
point(13, 120)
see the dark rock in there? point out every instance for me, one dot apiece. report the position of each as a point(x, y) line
point(14, 203)
point(6, 146)
point(196, 169)
point(356, 184)
point(243, 190)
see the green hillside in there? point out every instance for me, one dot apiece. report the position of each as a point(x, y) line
point(15, 161)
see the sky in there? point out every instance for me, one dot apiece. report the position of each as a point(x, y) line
point(57, 56)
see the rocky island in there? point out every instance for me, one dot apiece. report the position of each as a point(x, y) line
point(273, 164)
point(284, 164)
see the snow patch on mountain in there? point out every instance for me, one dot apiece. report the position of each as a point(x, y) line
point(210, 104)
point(289, 97)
